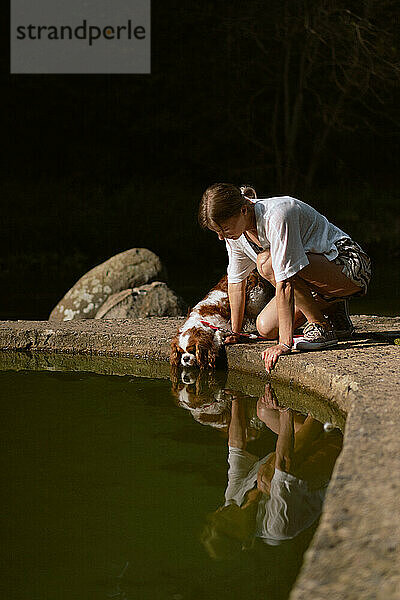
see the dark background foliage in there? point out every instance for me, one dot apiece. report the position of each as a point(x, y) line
point(295, 98)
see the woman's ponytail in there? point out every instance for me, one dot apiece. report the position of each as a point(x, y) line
point(248, 192)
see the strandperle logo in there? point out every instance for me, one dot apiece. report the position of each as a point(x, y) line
point(80, 36)
point(90, 33)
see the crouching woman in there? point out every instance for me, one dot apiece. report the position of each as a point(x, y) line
point(314, 266)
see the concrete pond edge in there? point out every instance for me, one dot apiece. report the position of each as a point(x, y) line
point(355, 553)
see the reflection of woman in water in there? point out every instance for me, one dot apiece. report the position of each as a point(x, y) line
point(280, 495)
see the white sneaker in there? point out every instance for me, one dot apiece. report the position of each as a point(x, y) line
point(315, 336)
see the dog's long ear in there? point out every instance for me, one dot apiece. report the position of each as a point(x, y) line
point(201, 356)
point(202, 381)
point(198, 383)
point(175, 355)
point(212, 355)
point(175, 379)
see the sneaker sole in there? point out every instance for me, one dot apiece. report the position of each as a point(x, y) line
point(304, 345)
point(344, 335)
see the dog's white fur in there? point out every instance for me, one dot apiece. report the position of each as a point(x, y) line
point(213, 298)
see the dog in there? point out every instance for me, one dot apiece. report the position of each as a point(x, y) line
point(197, 344)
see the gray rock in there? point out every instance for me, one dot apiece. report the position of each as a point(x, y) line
point(128, 269)
point(151, 300)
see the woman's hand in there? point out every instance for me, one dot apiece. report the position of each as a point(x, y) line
point(271, 355)
point(234, 338)
point(270, 400)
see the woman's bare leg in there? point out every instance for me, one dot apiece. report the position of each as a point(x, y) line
point(320, 275)
point(267, 320)
point(326, 277)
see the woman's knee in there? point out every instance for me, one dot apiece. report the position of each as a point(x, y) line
point(268, 416)
point(266, 328)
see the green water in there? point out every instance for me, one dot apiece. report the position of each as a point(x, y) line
point(107, 485)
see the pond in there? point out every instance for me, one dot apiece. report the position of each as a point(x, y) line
point(118, 487)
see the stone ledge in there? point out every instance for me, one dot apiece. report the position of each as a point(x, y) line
point(355, 553)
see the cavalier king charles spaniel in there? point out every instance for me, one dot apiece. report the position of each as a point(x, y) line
point(198, 344)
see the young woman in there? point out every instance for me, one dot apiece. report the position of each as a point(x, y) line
point(313, 265)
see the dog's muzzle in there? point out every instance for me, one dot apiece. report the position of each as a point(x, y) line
point(188, 377)
point(188, 360)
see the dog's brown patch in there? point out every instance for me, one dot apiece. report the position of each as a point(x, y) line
point(209, 310)
point(222, 285)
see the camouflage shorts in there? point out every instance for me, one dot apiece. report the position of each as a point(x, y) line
point(356, 264)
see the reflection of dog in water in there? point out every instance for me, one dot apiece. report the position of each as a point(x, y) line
point(197, 344)
point(205, 395)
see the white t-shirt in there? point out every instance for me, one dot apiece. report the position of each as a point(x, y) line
point(289, 228)
point(290, 508)
point(242, 474)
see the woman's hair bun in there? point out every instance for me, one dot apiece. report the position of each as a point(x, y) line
point(247, 191)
